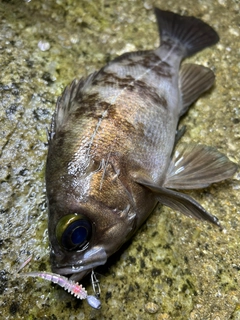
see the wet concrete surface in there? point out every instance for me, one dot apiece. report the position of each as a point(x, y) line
point(174, 267)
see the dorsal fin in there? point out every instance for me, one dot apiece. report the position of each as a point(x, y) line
point(65, 103)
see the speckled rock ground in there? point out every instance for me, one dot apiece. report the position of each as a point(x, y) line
point(175, 266)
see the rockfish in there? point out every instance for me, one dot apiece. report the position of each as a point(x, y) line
point(112, 154)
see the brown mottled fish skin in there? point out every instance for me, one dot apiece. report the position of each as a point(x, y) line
point(110, 156)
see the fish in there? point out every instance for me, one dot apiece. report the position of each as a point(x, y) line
point(114, 149)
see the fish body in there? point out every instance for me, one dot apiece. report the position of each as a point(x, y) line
point(110, 157)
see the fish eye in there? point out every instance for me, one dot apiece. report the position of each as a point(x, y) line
point(73, 232)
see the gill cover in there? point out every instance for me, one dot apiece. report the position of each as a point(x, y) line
point(73, 232)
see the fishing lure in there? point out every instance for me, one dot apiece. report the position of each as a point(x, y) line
point(70, 286)
point(24, 263)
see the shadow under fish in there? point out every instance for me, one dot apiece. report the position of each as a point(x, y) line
point(112, 154)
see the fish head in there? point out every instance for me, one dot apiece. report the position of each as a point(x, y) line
point(90, 217)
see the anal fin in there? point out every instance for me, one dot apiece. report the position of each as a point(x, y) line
point(193, 81)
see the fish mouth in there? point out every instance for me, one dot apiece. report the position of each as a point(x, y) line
point(92, 258)
point(71, 272)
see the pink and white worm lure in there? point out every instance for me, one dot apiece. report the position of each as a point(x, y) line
point(25, 263)
point(70, 286)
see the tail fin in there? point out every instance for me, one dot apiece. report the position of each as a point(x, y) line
point(192, 33)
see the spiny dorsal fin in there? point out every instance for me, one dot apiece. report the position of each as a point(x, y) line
point(65, 103)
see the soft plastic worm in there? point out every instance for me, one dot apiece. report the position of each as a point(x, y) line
point(25, 263)
point(72, 287)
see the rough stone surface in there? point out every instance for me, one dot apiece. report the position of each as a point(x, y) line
point(189, 269)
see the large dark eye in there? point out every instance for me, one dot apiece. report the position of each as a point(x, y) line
point(73, 231)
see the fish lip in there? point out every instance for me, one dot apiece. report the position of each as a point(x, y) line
point(70, 273)
point(92, 258)
point(68, 270)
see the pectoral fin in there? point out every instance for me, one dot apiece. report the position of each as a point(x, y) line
point(197, 166)
point(180, 202)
